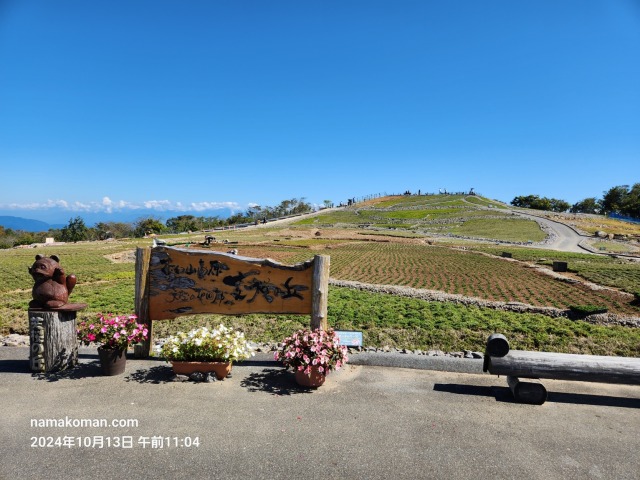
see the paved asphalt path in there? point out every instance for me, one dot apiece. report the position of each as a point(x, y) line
point(566, 240)
point(366, 422)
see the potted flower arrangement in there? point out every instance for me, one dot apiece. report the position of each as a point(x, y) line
point(312, 355)
point(114, 334)
point(206, 350)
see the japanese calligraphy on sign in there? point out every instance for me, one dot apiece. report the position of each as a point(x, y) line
point(186, 282)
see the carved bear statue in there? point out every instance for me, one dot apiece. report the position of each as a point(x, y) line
point(52, 287)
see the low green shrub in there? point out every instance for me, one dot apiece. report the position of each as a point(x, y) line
point(584, 310)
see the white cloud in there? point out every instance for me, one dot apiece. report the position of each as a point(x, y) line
point(108, 205)
point(201, 206)
point(83, 207)
point(37, 206)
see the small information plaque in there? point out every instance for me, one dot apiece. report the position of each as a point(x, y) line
point(350, 338)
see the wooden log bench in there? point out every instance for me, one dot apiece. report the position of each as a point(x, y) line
point(517, 364)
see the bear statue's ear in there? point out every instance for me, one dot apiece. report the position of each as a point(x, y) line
point(55, 257)
point(38, 257)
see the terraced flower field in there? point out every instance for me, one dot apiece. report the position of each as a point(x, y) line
point(604, 270)
point(450, 270)
point(466, 273)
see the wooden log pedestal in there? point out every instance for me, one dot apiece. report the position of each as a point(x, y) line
point(53, 338)
point(531, 391)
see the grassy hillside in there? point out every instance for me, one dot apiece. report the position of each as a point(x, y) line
point(397, 241)
point(457, 215)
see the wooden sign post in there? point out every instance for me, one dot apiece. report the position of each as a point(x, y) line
point(171, 282)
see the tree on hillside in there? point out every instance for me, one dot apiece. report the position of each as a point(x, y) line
point(147, 226)
point(544, 203)
point(613, 199)
point(524, 201)
point(622, 200)
point(183, 223)
point(300, 206)
point(104, 230)
point(588, 205)
point(75, 230)
point(211, 222)
point(559, 205)
point(631, 205)
point(283, 208)
point(254, 212)
point(238, 218)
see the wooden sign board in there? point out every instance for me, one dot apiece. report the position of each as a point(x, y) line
point(187, 282)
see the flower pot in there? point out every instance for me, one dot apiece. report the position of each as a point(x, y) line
point(112, 361)
point(221, 369)
point(314, 379)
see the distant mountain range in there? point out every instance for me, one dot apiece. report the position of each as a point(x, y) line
point(90, 219)
point(26, 224)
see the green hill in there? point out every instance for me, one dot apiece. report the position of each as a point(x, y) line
point(450, 215)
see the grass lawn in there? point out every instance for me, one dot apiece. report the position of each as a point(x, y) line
point(513, 230)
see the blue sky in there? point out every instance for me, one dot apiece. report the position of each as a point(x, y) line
point(188, 106)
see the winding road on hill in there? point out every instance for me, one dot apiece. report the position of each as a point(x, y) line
point(565, 239)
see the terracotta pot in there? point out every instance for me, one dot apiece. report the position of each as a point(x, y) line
point(112, 361)
point(314, 379)
point(221, 369)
